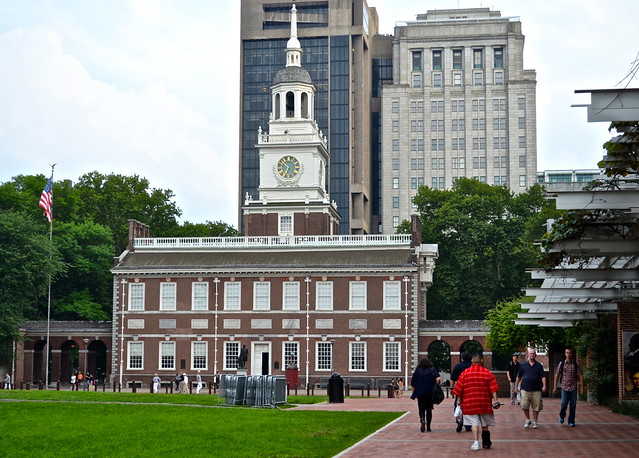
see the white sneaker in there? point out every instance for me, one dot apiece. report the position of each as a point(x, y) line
point(527, 424)
point(475, 446)
point(534, 425)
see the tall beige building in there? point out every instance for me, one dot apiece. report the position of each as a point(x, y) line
point(460, 104)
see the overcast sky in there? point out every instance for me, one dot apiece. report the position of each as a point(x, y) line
point(151, 87)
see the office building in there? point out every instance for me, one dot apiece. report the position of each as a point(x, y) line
point(460, 104)
point(336, 39)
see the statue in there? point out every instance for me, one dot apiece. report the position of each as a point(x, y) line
point(241, 359)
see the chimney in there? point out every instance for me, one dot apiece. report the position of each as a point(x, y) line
point(137, 230)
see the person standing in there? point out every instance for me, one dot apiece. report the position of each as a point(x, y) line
point(511, 372)
point(423, 382)
point(7, 381)
point(533, 383)
point(476, 389)
point(184, 383)
point(569, 377)
point(454, 376)
point(198, 378)
point(178, 379)
point(73, 380)
point(156, 383)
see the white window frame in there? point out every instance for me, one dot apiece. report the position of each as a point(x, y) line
point(522, 181)
point(438, 79)
point(324, 295)
point(262, 295)
point(392, 295)
point(291, 353)
point(286, 224)
point(478, 78)
point(458, 80)
point(201, 352)
point(168, 301)
point(200, 295)
point(231, 353)
point(136, 297)
point(499, 78)
point(231, 300)
point(357, 357)
point(139, 352)
point(357, 295)
point(325, 356)
point(166, 349)
point(291, 295)
point(392, 357)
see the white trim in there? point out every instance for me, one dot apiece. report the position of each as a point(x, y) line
point(168, 303)
point(162, 345)
point(194, 287)
point(205, 344)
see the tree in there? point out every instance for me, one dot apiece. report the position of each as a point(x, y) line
point(505, 336)
point(88, 251)
point(111, 200)
point(207, 229)
point(485, 236)
point(28, 262)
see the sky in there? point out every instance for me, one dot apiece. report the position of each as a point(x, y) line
point(151, 87)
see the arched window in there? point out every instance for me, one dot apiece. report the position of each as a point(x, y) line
point(277, 106)
point(290, 105)
point(305, 110)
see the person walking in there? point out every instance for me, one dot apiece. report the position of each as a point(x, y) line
point(569, 377)
point(7, 381)
point(511, 372)
point(476, 388)
point(156, 383)
point(454, 376)
point(198, 378)
point(533, 383)
point(184, 383)
point(178, 379)
point(423, 382)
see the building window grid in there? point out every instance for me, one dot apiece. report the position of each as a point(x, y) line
point(168, 292)
point(417, 80)
point(437, 60)
point(499, 78)
point(261, 295)
point(231, 353)
point(167, 355)
point(392, 356)
point(200, 299)
point(395, 202)
point(478, 78)
point(457, 59)
point(199, 358)
point(136, 355)
point(478, 58)
point(392, 295)
point(136, 296)
point(324, 299)
point(232, 295)
point(395, 163)
point(498, 57)
point(357, 295)
point(357, 356)
point(324, 358)
point(291, 354)
point(291, 295)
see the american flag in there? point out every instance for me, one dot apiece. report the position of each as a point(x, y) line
point(46, 199)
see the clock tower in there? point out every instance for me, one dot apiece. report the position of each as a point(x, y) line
point(293, 154)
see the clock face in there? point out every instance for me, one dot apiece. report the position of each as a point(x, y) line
point(288, 167)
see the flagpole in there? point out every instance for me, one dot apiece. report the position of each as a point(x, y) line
point(48, 346)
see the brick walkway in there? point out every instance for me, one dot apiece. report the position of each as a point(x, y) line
point(598, 432)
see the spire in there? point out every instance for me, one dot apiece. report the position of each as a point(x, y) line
point(293, 47)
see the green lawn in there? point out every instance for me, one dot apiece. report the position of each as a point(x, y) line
point(50, 423)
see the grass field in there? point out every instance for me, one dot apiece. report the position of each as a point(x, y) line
point(59, 423)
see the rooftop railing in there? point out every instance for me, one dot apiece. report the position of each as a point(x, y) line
point(292, 241)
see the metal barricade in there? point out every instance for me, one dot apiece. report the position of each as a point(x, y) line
point(253, 390)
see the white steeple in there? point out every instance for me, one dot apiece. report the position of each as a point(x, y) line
point(293, 47)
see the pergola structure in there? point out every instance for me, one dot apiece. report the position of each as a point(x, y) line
point(600, 266)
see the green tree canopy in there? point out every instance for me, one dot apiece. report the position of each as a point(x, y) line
point(28, 261)
point(485, 236)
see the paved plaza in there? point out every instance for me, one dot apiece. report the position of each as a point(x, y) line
point(599, 432)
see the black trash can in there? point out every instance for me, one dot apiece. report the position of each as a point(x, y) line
point(336, 388)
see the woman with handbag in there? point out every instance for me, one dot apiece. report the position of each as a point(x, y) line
point(423, 382)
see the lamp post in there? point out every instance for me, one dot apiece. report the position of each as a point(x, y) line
point(86, 357)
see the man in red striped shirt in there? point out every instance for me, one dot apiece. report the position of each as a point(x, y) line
point(477, 391)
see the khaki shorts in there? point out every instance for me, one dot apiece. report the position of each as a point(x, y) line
point(484, 419)
point(531, 399)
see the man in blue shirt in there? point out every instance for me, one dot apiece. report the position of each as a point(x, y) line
point(533, 382)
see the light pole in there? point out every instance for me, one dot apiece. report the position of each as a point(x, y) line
point(86, 357)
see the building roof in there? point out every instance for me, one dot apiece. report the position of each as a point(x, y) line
point(34, 327)
point(292, 75)
point(271, 260)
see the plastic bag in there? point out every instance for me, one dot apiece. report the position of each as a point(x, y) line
point(458, 412)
